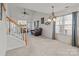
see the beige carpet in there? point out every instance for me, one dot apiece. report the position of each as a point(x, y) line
point(40, 46)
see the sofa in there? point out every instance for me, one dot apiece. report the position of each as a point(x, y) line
point(37, 32)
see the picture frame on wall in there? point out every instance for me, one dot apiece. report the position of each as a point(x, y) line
point(0, 11)
point(38, 24)
point(42, 20)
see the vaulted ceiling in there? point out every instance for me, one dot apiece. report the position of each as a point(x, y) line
point(45, 7)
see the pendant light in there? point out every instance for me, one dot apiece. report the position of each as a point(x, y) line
point(52, 17)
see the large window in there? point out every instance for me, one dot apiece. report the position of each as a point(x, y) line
point(64, 25)
point(68, 24)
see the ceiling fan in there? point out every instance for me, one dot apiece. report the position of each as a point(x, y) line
point(24, 12)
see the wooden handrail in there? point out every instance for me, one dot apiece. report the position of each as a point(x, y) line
point(11, 20)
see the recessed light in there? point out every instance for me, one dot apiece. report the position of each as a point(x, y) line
point(52, 6)
point(67, 6)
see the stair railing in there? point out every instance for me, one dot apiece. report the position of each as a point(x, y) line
point(18, 31)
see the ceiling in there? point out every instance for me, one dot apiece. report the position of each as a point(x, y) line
point(45, 7)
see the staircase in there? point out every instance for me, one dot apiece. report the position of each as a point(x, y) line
point(14, 41)
point(14, 35)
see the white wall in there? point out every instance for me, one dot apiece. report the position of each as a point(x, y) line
point(3, 37)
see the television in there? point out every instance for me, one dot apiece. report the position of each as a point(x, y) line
point(42, 20)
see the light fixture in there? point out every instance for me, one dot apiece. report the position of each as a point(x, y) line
point(52, 17)
point(53, 14)
point(49, 20)
point(24, 12)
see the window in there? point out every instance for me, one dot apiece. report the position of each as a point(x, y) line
point(22, 22)
point(68, 24)
point(59, 25)
point(64, 24)
point(0, 11)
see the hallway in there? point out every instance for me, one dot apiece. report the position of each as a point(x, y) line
point(40, 46)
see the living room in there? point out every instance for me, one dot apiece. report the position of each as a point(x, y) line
point(37, 19)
